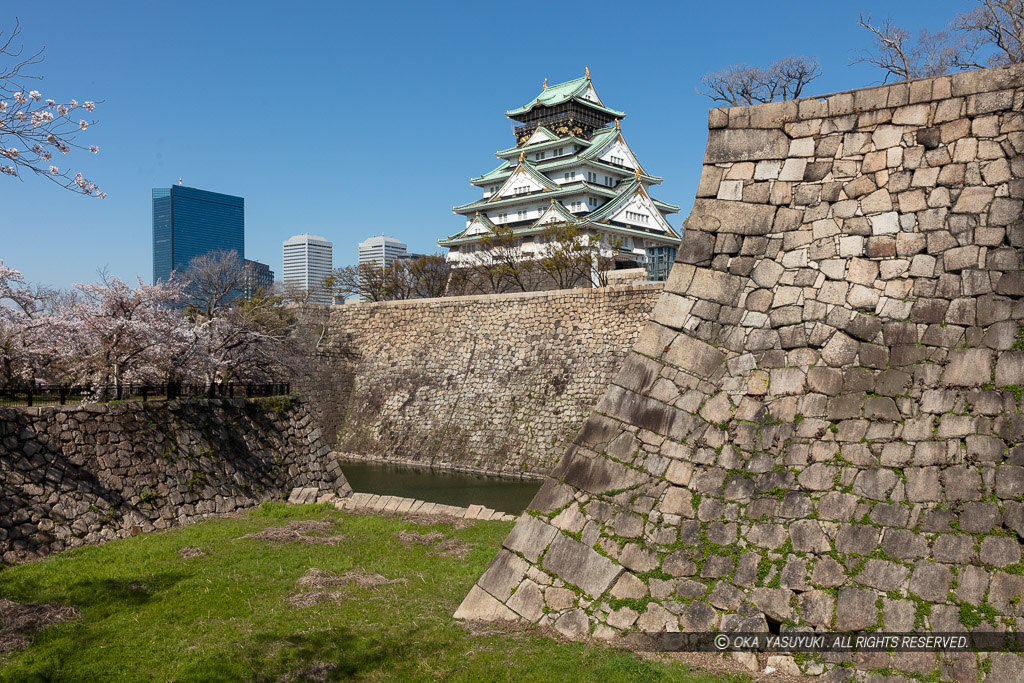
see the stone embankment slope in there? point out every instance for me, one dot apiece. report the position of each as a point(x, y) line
point(497, 383)
point(821, 426)
point(85, 474)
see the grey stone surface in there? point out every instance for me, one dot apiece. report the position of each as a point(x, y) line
point(481, 605)
point(86, 474)
point(579, 565)
point(529, 537)
point(844, 356)
point(732, 145)
point(717, 216)
point(487, 354)
point(504, 575)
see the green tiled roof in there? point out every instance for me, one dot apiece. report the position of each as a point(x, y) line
point(563, 92)
point(500, 173)
point(665, 206)
point(533, 229)
point(538, 146)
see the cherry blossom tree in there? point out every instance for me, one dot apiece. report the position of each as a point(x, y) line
point(110, 333)
point(35, 130)
point(113, 333)
point(25, 314)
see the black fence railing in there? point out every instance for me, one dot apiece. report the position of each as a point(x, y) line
point(55, 394)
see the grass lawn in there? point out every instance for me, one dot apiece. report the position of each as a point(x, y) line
point(239, 612)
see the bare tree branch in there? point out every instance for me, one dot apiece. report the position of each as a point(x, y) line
point(33, 129)
point(741, 85)
point(995, 23)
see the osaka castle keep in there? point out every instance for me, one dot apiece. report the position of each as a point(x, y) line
point(570, 164)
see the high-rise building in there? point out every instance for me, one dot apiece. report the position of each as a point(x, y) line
point(308, 259)
point(188, 222)
point(257, 276)
point(570, 164)
point(381, 250)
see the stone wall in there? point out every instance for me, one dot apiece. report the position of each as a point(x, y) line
point(76, 475)
point(821, 427)
point(499, 383)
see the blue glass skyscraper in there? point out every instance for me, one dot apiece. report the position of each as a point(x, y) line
point(188, 222)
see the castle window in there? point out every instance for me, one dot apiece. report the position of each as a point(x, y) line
point(539, 156)
point(619, 161)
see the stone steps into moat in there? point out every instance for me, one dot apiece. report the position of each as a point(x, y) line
point(370, 502)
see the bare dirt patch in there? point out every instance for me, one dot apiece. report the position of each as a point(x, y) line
point(418, 518)
point(308, 531)
point(317, 671)
point(19, 620)
point(319, 580)
point(190, 552)
point(438, 543)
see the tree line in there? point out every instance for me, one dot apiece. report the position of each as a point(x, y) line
point(564, 257)
point(195, 328)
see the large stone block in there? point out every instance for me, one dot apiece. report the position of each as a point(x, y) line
point(1010, 369)
point(972, 367)
point(714, 285)
point(481, 605)
point(578, 565)
point(728, 145)
point(718, 216)
point(698, 357)
point(529, 537)
point(597, 475)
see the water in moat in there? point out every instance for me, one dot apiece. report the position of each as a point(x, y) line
point(507, 494)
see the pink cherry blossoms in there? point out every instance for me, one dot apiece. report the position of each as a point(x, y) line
point(113, 333)
point(32, 127)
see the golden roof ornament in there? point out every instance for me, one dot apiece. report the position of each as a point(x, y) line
point(521, 155)
point(552, 201)
point(587, 70)
point(617, 125)
point(545, 86)
point(636, 172)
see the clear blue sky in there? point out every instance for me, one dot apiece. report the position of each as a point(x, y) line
point(349, 119)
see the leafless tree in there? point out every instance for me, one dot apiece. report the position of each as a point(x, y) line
point(430, 274)
point(995, 23)
point(741, 85)
point(994, 26)
point(213, 281)
point(367, 280)
point(571, 257)
point(900, 56)
point(32, 128)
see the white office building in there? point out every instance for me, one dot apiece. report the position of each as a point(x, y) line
point(308, 259)
point(381, 250)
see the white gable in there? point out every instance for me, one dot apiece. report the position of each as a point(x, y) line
point(476, 227)
point(621, 152)
point(540, 135)
point(552, 215)
point(641, 212)
point(515, 184)
point(590, 94)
